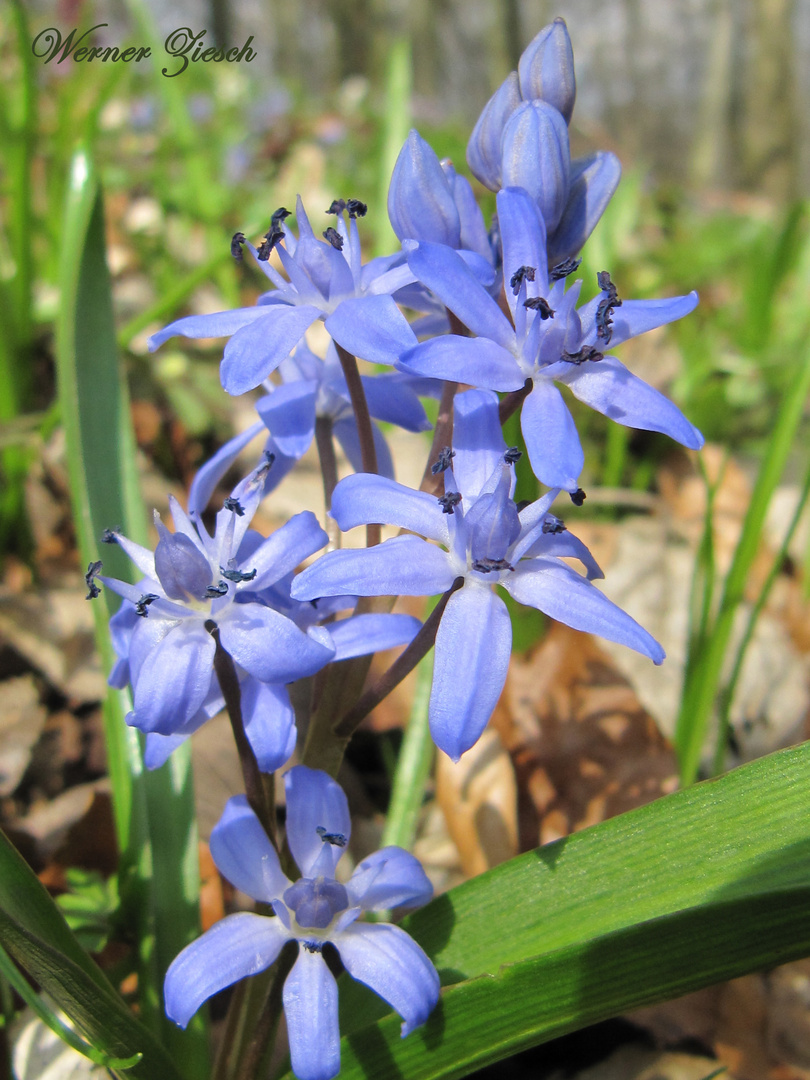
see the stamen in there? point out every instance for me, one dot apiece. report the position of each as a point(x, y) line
point(274, 234)
point(337, 207)
point(214, 591)
point(109, 537)
point(312, 946)
point(237, 240)
point(586, 353)
point(443, 461)
point(234, 505)
point(604, 322)
point(336, 839)
point(269, 457)
point(553, 525)
point(522, 272)
point(144, 602)
point(92, 569)
point(237, 576)
point(450, 501)
point(278, 217)
point(487, 566)
point(356, 209)
point(563, 269)
point(512, 455)
point(578, 497)
point(537, 303)
point(334, 238)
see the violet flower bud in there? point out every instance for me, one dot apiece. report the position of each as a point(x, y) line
point(535, 156)
point(546, 69)
point(484, 147)
point(420, 200)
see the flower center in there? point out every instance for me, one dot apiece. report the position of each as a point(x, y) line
point(316, 901)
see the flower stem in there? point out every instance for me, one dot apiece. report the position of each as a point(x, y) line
point(402, 666)
point(442, 436)
point(368, 451)
point(512, 402)
point(258, 787)
point(269, 1016)
point(326, 456)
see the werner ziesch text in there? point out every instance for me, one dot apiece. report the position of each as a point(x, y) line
point(183, 44)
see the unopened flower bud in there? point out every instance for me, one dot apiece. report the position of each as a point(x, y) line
point(536, 157)
point(484, 147)
point(420, 201)
point(546, 69)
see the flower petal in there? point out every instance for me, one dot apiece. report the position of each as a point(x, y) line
point(636, 317)
point(244, 855)
point(477, 440)
point(474, 636)
point(404, 566)
point(593, 182)
point(523, 236)
point(311, 1008)
point(484, 147)
point(551, 437)
point(315, 801)
point(535, 156)
point(546, 69)
point(284, 549)
point(220, 324)
point(239, 945)
point(389, 878)
point(420, 202)
point(562, 593)
point(172, 686)
point(269, 646)
point(365, 499)
point(256, 350)
point(388, 960)
point(371, 328)
point(269, 723)
point(476, 361)
point(360, 635)
point(289, 415)
point(392, 399)
point(610, 388)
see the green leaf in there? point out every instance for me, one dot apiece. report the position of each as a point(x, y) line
point(703, 885)
point(36, 935)
point(154, 812)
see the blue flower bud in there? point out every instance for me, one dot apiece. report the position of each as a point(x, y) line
point(473, 232)
point(484, 147)
point(593, 180)
point(546, 69)
point(535, 156)
point(420, 200)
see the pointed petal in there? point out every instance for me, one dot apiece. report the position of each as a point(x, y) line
point(562, 593)
point(173, 685)
point(447, 275)
point(565, 546)
point(257, 350)
point(477, 361)
point(420, 202)
point(220, 324)
point(610, 388)
point(311, 1008)
point(477, 440)
point(362, 634)
point(269, 723)
point(404, 566)
point(551, 437)
point(389, 878)
point(390, 962)
point(285, 549)
point(474, 636)
point(484, 147)
point(269, 646)
point(371, 328)
point(143, 558)
point(208, 477)
point(315, 801)
point(393, 401)
point(523, 236)
point(289, 415)
point(593, 182)
point(636, 317)
point(244, 855)
point(366, 499)
point(238, 946)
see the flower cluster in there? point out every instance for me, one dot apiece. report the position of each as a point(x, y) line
point(500, 314)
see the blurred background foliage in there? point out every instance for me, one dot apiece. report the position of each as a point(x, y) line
point(701, 101)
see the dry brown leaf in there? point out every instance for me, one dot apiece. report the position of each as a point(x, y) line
point(21, 722)
point(583, 747)
point(478, 797)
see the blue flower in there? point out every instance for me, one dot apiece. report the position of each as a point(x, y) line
point(549, 341)
point(484, 541)
point(323, 276)
point(313, 388)
point(312, 911)
point(166, 653)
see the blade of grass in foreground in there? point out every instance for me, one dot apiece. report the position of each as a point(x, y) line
point(703, 682)
point(154, 812)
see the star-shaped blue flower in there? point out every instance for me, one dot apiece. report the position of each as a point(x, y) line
point(312, 911)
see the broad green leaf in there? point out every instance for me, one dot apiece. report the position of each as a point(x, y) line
point(35, 934)
point(154, 812)
point(703, 885)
